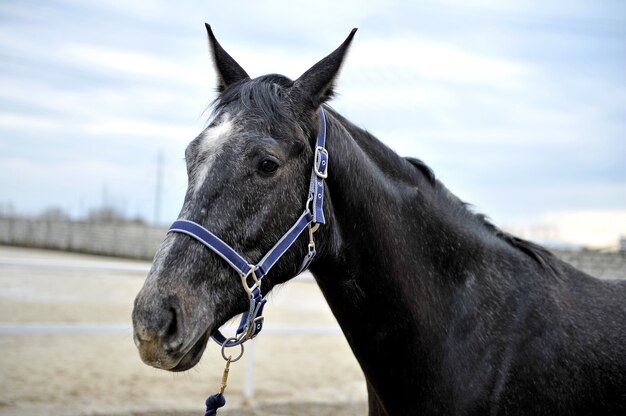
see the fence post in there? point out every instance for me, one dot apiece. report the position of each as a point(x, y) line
point(250, 363)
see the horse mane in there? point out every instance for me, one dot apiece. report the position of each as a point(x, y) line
point(425, 169)
point(264, 93)
point(538, 253)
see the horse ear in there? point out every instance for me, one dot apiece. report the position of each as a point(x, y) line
point(316, 84)
point(228, 70)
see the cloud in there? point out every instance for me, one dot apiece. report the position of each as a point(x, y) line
point(142, 128)
point(134, 63)
point(415, 57)
point(19, 121)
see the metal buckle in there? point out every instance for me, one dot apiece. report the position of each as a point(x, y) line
point(249, 332)
point(312, 230)
point(318, 151)
point(255, 281)
point(257, 324)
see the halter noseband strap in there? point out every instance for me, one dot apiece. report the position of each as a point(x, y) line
point(313, 215)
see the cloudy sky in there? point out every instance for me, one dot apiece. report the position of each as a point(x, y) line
point(519, 107)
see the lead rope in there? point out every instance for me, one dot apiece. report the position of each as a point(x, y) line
point(218, 400)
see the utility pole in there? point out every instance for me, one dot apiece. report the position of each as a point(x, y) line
point(158, 191)
point(105, 196)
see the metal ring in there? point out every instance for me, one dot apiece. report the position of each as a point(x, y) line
point(232, 360)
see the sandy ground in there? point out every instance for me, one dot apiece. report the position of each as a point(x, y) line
point(95, 370)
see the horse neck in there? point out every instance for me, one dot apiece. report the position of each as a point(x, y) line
point(389, 224)
point(384, 267)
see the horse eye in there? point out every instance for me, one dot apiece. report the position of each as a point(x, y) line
point(268, 166)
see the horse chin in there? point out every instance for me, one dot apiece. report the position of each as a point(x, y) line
point(192, 357)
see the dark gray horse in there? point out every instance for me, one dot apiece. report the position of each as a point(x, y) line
point(445, 313)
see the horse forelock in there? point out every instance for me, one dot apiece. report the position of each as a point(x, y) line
point(266, 105)
point(267, 95)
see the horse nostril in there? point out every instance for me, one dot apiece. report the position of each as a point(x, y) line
point(171, 338)
point(172, 327)
point(158, 326)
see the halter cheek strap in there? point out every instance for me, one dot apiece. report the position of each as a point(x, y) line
point(252, 274)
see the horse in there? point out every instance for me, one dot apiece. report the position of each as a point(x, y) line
point(444, 312)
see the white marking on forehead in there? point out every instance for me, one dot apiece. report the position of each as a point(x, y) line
point(212, 141)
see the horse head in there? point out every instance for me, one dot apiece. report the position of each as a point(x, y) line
point(248, 176)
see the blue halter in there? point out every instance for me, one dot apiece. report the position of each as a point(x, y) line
point(313, 215)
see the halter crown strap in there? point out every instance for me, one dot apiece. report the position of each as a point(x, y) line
point(252, 320)
point(320, 172)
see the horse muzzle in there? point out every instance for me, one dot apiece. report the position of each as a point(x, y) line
point(158, 330)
